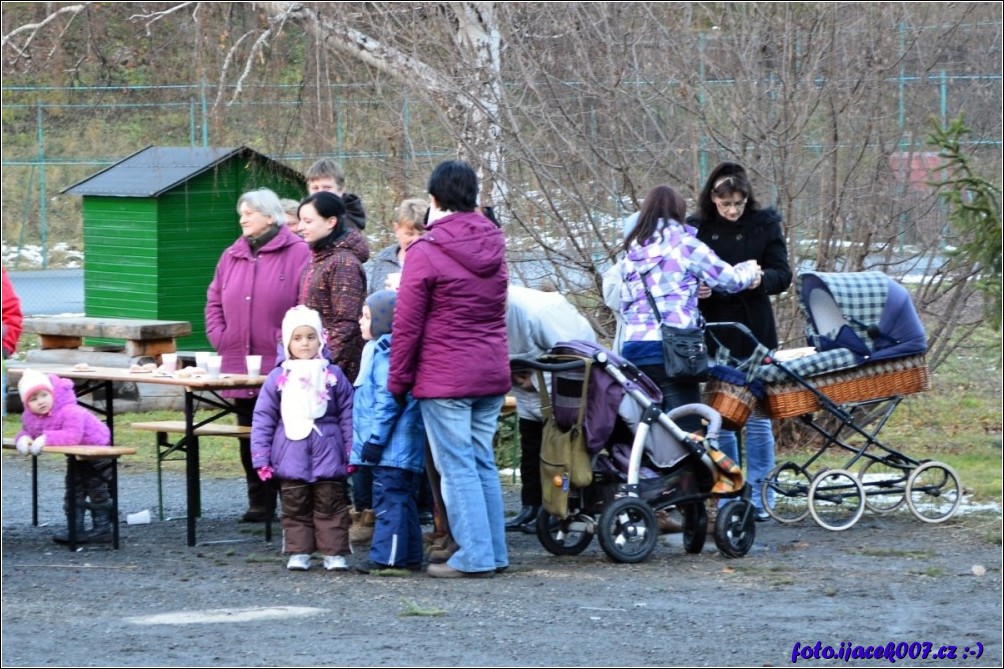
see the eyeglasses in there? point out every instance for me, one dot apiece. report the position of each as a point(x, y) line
point(738, 205)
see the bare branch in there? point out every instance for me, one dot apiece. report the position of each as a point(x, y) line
point(35, 27)
point(157, 16)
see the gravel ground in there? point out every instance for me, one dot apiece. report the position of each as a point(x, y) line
point(229, 601)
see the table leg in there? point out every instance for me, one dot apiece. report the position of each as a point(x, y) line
point(191, 465)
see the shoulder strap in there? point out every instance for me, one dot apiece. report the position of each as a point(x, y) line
point(545, 396)
point(648, 294)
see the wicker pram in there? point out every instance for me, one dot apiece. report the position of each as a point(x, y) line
point(866, 353)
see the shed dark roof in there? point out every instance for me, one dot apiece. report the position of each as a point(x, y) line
point(157, 169)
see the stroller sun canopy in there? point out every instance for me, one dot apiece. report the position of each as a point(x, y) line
point(865, 312)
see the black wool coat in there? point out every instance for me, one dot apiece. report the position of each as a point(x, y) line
point(756, 236)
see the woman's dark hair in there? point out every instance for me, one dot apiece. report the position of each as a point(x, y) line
point(327, 205)
point(455, 186)
point(725, 179)
point(661, 203)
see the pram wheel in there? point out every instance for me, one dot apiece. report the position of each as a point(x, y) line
point(884, 482)
point(695, 527)
point(735, 528)
point(628, 530)
point(836, 499)
point(563, 537)
point(790, 485)
point(933, 492)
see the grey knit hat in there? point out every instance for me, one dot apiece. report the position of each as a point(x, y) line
point(381, 304)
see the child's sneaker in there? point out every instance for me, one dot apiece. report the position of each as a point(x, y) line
point(335, 563)
point(301, 562)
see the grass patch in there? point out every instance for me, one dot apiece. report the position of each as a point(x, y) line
point(890, 552)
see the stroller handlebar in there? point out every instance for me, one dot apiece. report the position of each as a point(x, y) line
point(543, 364)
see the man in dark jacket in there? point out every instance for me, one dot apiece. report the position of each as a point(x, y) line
point(326, 174)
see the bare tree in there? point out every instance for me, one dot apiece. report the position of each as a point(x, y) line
point(573, 111)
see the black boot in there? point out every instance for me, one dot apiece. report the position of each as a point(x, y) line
point(63, 536)
point(528, 514)
point(102, 531)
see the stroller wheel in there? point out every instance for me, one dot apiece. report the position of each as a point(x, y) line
point(695, 527)
point(735, 528)
point(628, 530)
point(789, 484)
point(564, 537)
point(933, 492)
point(836, 499)
point(884, 482)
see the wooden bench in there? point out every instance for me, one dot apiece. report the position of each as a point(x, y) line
point(142, 336)
point(74, 454)
point(166, 448)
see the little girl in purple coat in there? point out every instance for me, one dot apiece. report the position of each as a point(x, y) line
point(52, 417)
point(302, 434)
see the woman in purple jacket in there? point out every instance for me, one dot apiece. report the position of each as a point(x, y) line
point(256, 282)
point(450, 350)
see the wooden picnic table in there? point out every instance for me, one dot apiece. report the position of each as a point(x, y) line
point(142, 336)
point(199, 390)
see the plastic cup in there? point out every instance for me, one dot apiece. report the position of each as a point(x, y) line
point(202, 360)
point(254, 365)
point(213, 366)
point(138, 518)
point(169, 361)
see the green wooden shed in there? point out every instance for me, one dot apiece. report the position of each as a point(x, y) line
point(156, 223)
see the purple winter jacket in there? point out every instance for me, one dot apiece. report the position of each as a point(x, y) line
point(319, 456)
point(248, 298)
point(449, 322)
point(68, 424)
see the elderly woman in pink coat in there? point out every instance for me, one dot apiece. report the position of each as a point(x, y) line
point(255, 284)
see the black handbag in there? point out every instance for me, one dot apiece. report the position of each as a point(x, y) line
point(684, 350)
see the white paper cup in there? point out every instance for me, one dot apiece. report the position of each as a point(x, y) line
point(254, 365)
point(213, 366)
point(169, 361)
point(202, 360)
point(138, 518)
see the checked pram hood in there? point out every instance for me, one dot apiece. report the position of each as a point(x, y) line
point(853, 318)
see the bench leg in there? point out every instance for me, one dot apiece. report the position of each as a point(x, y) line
point(34, 490)
point(114, 485)
point(71, 504)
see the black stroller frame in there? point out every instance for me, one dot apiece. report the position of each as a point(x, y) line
point(621, 510)
point(836, 498)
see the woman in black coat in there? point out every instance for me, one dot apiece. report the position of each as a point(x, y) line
point(730, 221)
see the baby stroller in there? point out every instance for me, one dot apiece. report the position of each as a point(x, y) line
point(866, 352)
point(640, 460)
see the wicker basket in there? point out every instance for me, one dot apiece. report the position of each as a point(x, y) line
point(732, 401)
point(868, 382)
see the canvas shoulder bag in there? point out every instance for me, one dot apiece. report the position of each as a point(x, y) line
point(564, 461)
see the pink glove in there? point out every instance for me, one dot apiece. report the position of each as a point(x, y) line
point(350, 470)
point(265, 472)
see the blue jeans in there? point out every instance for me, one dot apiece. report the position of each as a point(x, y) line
point(759, 454)
point(460, 432)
